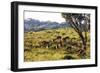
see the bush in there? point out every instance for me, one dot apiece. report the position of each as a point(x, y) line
point(71, 56)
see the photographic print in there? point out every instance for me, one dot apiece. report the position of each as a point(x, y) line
point(56, 36)
point(52, 36)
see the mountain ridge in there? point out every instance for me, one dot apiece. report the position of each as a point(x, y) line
point(37, 25)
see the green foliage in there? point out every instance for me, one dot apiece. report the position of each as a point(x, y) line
point(40, 46)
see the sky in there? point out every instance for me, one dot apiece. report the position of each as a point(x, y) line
point(44, 16)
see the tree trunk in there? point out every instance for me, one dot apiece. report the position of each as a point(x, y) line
point(83, 44)
point(82, 51)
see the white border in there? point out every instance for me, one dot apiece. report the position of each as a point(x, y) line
point(22, 64)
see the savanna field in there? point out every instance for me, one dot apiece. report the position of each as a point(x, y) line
point(54, 44)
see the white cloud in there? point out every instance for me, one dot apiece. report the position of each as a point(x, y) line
point(44, 16)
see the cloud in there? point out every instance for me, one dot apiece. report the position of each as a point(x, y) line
point(44, 16)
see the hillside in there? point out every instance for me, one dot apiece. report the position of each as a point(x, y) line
point(44, 45)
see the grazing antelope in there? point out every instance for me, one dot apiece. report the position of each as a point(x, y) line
point(58, 42)
point(45, 44)
point(65, 41)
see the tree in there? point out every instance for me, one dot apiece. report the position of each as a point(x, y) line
point(81, 24)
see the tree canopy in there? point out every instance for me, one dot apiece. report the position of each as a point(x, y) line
point(80, 22)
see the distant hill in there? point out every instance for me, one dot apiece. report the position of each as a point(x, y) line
point(36, 25)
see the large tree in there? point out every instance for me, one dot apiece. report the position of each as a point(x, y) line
point(81, 24)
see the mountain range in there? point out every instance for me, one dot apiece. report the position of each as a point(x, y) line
point(37, 25)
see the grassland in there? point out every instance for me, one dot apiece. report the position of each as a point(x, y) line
point(41, 45)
